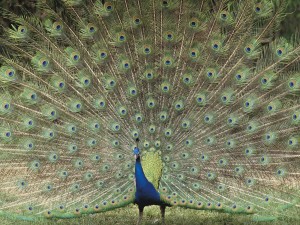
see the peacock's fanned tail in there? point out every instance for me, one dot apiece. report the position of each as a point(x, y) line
point(207, 86)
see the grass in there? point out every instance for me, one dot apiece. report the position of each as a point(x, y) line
point(174, 216)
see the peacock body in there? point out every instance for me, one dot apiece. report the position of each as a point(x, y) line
point(208, 87)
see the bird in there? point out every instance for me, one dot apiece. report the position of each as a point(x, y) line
point(184, 103)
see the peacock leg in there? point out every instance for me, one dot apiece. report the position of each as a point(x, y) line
point(162, 211)
point(141, 209)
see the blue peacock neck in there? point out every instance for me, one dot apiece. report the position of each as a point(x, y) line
point(145, 194)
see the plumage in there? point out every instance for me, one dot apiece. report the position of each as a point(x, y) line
point(208, 88)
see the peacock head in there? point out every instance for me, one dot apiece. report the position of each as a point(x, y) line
point(136, 152)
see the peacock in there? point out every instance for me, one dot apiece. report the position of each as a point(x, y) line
point(188, 103)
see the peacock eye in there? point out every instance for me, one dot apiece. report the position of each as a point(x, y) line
point(61, 84)
point(238, 76)
point(137, 21)
point(270, 108)
point(264, 80)
point(215, 46)
point(291, 84)
point(257, 9)
point(44, 63)
point(92, 29)
point(169, 36)
point(33, 96)
point(121, 38)
point(248, 49)
point(149, 75)
point(103, 54)
point(165, 3)
point(75, 57)
point(279, 52)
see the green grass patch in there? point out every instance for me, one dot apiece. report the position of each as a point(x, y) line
point(174, 216)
